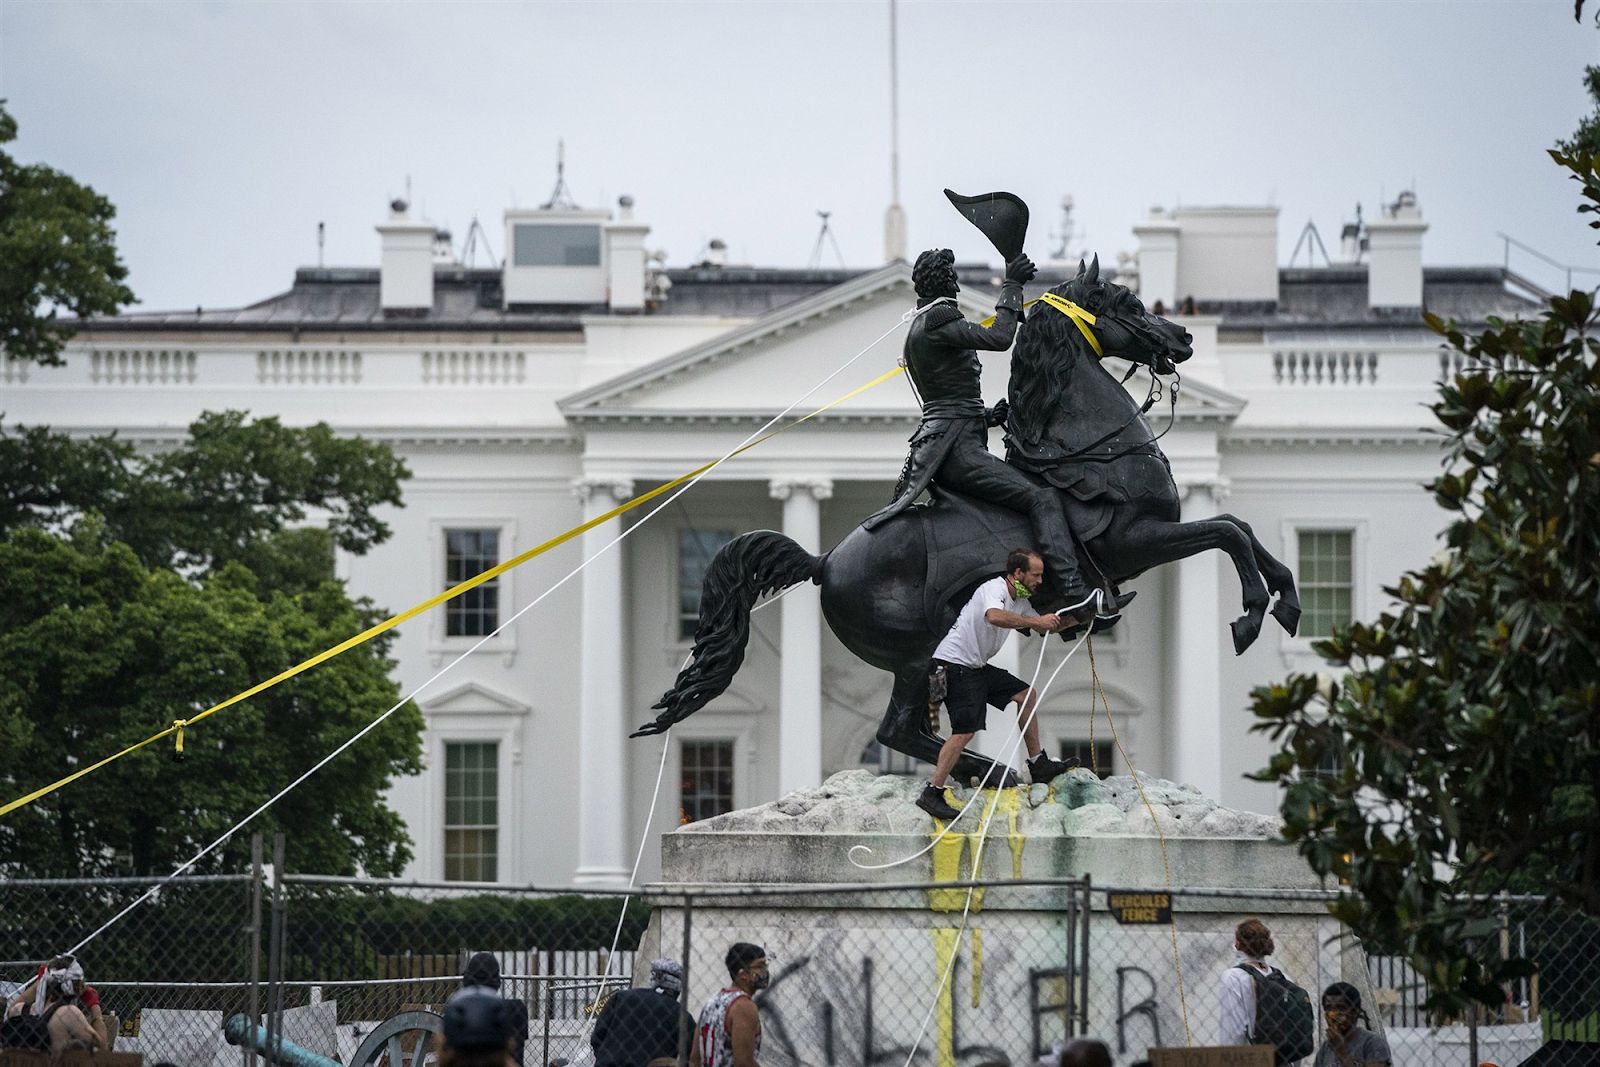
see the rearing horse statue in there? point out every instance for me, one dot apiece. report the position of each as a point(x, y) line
point(892, 593)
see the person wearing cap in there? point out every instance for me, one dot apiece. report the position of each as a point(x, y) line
point(729, 1034)
point(481, 978)
point(641, 1025)
point(476, 1032)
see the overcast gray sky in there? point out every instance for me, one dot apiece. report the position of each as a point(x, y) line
point(224, 131)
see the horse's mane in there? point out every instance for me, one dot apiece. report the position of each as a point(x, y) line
point(1040, 370)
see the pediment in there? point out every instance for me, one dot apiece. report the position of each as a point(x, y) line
point(758, 369)
point(473, 699)
point(763, 365)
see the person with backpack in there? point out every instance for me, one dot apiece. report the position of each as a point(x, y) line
point(1344, 1043)
point(1260, 1005)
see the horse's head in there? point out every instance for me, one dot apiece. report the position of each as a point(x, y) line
point(1122, 325)
point(1075, 324)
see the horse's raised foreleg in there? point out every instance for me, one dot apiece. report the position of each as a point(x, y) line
point(1148, 542)
point(905, 729)
point(1280, 580)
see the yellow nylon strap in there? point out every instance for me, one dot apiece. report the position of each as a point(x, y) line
point(434, 601)
point(1080, 318)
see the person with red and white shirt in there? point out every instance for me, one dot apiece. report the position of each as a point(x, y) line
point(729, 1033)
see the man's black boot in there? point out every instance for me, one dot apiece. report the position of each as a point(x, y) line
point(932, 801)
point(1042, 768)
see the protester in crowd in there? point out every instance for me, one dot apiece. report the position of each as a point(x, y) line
point(1260, 1005)
point(1079, 1052)
point(69, 1028)
point(1252, 944)
point(1345, 1044)
point(729, 1034)
point(639, 1026)
point(59, 985)
point(476, 1033)
point(481, 978)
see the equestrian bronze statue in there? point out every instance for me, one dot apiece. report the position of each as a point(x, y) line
point(891, 589)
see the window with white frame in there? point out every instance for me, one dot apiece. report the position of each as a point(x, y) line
point(1093, 755)
point(706, 773)
point(468, 552)
point(471, 811)
point(1326, 581)
point(695, 549)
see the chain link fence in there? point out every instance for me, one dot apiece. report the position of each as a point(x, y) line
point(948, 974)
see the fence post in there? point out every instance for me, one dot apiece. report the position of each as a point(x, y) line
point(275, 953)
point(685, 1039)
point(253, 1007)
point(1083, 956)
point(549, 1009)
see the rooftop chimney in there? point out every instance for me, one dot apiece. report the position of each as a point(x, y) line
point(1158, 259)
point(1350, 243)
point(1228, 254)
point(625, 258)
point(1394, 255)
point(405, 270)
point(1219, 254)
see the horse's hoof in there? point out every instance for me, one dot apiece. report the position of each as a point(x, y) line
point(1245, 631)
point(1288, 616)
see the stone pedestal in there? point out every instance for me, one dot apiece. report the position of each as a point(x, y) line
point(865, 960)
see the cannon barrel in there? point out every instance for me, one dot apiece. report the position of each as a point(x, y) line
point(285, 1053)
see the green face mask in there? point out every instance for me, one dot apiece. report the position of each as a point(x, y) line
point(1020, 591)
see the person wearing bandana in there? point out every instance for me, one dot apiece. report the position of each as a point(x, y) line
point(970, 683)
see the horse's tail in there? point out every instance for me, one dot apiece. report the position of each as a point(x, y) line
point(743, 570)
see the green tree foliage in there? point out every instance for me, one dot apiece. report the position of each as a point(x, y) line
point(136, 590)
point(1467, 731)
point(227, 493)
point(57, 250)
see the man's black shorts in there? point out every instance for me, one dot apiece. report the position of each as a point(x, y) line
point(973, 687)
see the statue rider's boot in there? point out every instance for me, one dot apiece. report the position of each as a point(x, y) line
point(1042, 768)
point(1101, 615)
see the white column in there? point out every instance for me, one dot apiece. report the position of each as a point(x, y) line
point(800, 671)
point(1195, 668)
point(602, 814)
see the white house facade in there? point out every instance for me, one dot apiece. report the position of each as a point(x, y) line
point(529, 398)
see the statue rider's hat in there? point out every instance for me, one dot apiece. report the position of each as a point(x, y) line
point(1002, 217)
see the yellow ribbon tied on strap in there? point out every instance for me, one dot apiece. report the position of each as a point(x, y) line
point(1080, 318)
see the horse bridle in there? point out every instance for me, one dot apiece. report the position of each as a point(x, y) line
point(1084, 320)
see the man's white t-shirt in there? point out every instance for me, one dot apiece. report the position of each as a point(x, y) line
point(973, 641)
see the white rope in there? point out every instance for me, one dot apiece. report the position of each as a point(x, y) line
point(983, 839)
point(690, 484)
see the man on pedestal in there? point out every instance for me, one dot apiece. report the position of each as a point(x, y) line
point(970, 682)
